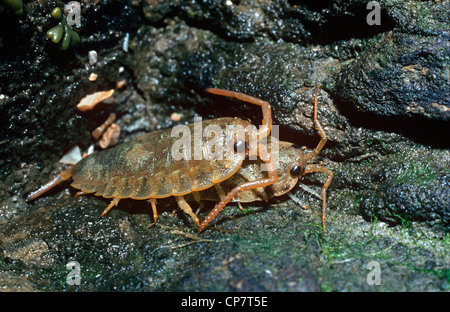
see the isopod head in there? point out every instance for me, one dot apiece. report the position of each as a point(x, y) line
point(291, 167)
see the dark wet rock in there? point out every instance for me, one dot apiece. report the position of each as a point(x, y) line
point(402, 202)
point(292, 21)
point(402, 72)
point(419, 17)
point(425, 201)
point(38, 109)
point(399, 75)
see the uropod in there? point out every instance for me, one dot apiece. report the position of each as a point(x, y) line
point(149, 167)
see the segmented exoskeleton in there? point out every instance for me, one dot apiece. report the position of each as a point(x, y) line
point(145, 167)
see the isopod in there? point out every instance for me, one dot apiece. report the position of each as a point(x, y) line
point(144, 168)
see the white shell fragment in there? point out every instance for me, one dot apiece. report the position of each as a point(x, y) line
point(90, 150)
point(125, 42)
point(92, 57)
point(72, 157)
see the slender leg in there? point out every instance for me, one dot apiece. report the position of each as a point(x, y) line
point(198, 199)
point(221, 194)
point(329, 173)
point(319, 127)
point(266, 124)
point(152, 202)
point(272, 178)
point(113, 203)
point(79, 193)
point(186, 208)
point(247, 174)
point(264, 131)
point(219, 190)
point(62, 176)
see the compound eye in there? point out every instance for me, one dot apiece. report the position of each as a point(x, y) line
point(296, 171)
point(239, 146)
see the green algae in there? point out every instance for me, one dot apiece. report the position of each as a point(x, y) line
point(62, 31)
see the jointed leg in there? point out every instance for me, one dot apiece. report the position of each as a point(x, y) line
point(219, 190)
point(198, 199)
point(263, 132)
point(222, 194)
point(266, 124)
point(186, 208)
point(152, 202)
point(113, 203)
point(319, 127)
point(329, 173)
point(272, 178)
point(79, 193)
point(249, 176)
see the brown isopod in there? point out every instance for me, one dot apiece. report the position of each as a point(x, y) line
point(144, 167)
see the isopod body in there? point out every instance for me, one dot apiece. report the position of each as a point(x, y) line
point(146, 167)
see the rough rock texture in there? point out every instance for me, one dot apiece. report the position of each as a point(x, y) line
point(384, 103)
point(403, 72)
